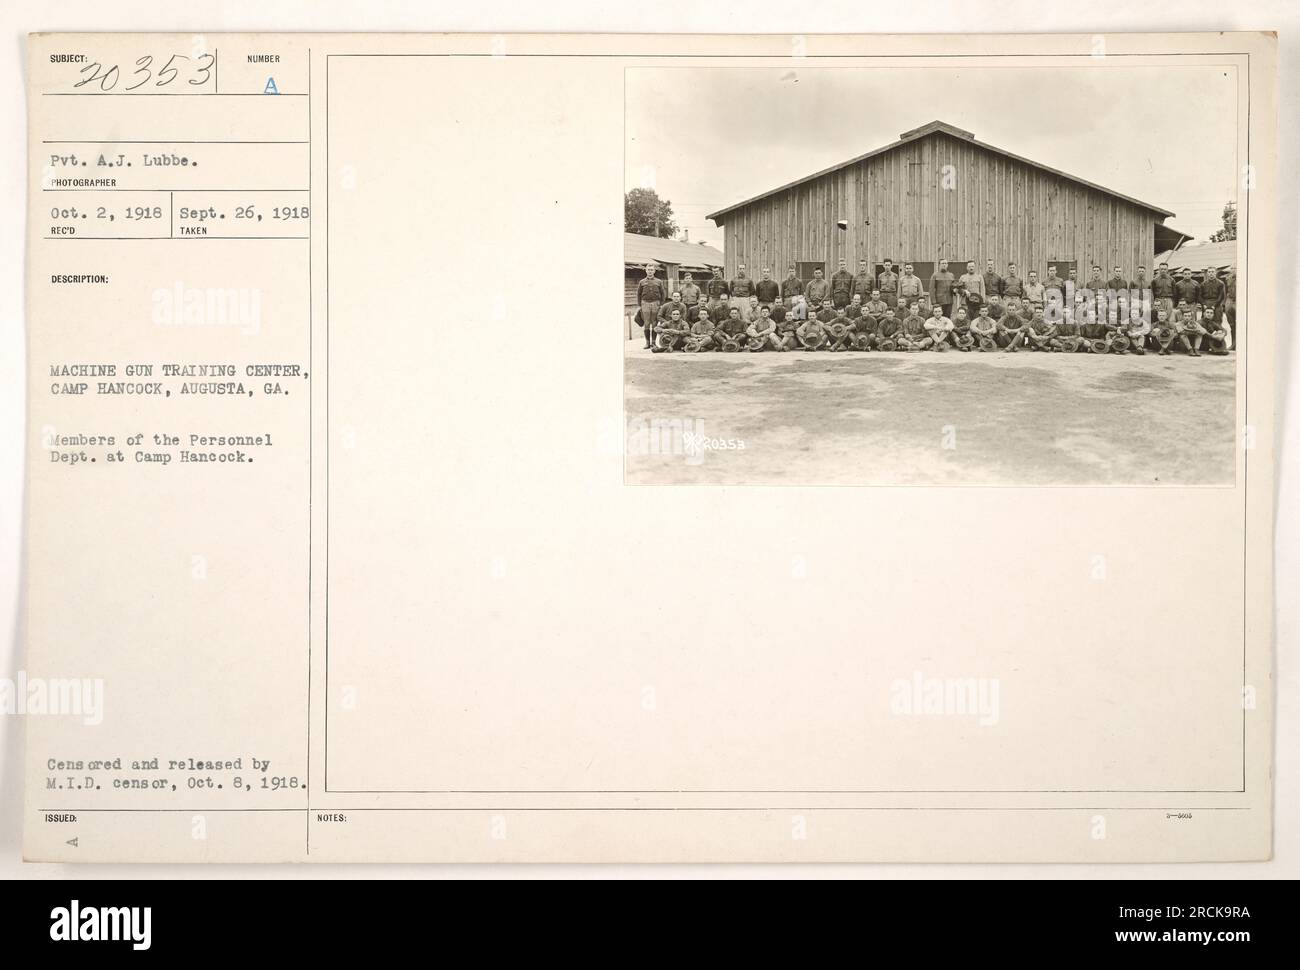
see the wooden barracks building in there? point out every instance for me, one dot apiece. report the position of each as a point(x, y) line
point(892, 203)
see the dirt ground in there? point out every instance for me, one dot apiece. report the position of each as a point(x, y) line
point(929, 418)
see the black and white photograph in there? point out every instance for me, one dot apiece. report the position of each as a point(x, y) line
point(986, 275)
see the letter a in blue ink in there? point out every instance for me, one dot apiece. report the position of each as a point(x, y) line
point(270, 87)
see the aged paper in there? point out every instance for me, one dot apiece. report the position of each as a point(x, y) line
point(364, 526)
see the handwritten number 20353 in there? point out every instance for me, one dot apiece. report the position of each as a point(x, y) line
point(198, 71)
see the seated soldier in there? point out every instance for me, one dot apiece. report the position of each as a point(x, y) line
point(787, 335)
point(866, 328)
point(1164, 331)
point(733, 328)
point(779, 311)
point(670, 333)
point(1190, 330)
point(854, 310)
point(839, 332)
point(939, 329)
point(1137, 328)
point(826, 312)
point(1216, 329)
point(1041, 333)
point(962, 337)
point(887, 330)
point(912, 335)
point(984, 328)
point(700, 338)
point(1011, 331)
point(996, 307)
point(1069, 335)
point(762, 332)
point(751, 310)
point(812, 333)
point(1092, 326)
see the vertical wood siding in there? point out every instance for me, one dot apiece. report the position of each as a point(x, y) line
point(897, 206)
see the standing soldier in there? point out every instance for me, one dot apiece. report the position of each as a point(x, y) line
point(741, 289)
point(1212, 293)
point(816, 291)
point(970, 288)
point(1117, 292)
point(1139, 295)
point(1117, 281)
point(887, 283)
point(792, 294)
point(716, 291)
point(1035, 292)
point(767, 289)
point(993, 283)
point(864, 282)
point(1187, 290)
point(650, 295)
point(1162, 291)
point(1053, 282)
point(1230, 305)
point(1013, 285)
point(941, 287)
point(910, 287)
point(841, 286)
point(690, 292)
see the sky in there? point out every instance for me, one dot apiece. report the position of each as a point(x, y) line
point(706, 138)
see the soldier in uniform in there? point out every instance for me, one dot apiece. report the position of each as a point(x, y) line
point(1162, 290)
point(941, 288)
point(962, 337)
point(811, 334)
point(866, 328)
point(1069, 338)
point(971, 288)
point(1035, 292)
point(983, 327)
point(864, 281)
point(875, 307)
point(701, 335)
point(993, 284)
point(751, 310)
point(854, 310)
point(939, 329)
point(1041, 333)
point(841, 286)
point(1053, 282)
point(1013, 285)
point(762, 332)
point(887, 284)
point(1163, 331)
point(733, 327)
point(1138, 290)
point(649, 296)
point(670, 332)
point(674, 304)
point(690, 291)
point(1190, 330)
point(1212, 293)
point(741, 289)
point(1117, 281)
point(1137, 328)
point(787, 337)
point(1187, 290)
point(767, 289)
point(792, 294)
point(1230, 304)
point(779, 312)
point(912, 335)
point(816, 291)
point(910, 288)
point(1011, 331)
point(887, 336)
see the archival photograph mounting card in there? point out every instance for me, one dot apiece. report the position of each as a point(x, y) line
point(894, 484)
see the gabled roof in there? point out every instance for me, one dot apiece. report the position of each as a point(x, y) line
point(941, 127)
point(651, 249)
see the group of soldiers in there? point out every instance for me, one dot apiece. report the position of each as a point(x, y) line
point(892, 311)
